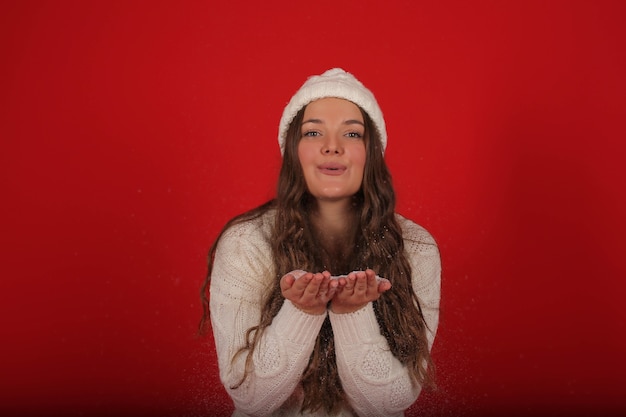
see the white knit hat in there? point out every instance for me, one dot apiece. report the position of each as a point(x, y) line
point(333, 83)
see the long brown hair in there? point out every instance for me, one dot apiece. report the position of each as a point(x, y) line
point(377, 244)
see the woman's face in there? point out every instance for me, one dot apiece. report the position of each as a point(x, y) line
point(332, 148)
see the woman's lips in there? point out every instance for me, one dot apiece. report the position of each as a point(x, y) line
point(332, 169)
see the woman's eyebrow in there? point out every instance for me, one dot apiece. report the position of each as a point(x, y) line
point(347, 122)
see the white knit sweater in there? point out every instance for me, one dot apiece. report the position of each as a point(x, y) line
point(374, 381)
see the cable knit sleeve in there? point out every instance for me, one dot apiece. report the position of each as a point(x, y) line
point(423, 255)
point(374, 380)
point(242, 272)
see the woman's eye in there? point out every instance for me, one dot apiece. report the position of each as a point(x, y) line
point(311, 133)
point(355, 135)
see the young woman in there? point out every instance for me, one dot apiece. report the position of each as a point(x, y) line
point(324, 301)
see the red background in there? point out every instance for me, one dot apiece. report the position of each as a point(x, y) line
point(131, 131)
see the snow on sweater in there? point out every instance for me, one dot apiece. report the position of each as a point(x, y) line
point(375, 382)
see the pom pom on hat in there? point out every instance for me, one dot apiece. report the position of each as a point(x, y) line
point(333, 83)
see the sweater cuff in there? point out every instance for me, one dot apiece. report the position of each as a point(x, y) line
point(296, 325)
point(358, 327)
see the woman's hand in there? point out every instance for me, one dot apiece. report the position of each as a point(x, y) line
point(310, 292)
point(356, 290)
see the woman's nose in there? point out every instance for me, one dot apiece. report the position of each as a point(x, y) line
point(332, 145)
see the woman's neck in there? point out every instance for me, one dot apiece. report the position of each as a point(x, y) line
point(332, 218)
point(334, 223)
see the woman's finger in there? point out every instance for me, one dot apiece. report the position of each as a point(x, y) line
point(360, 285)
